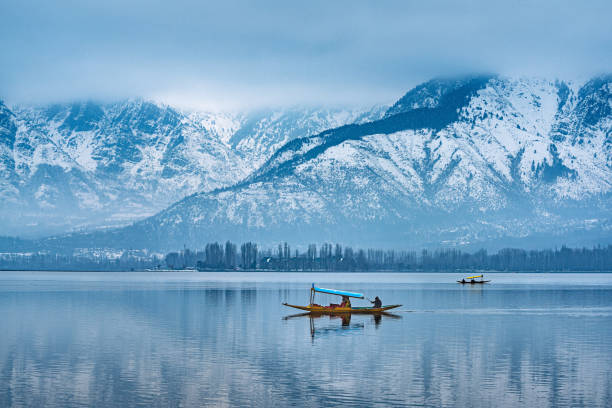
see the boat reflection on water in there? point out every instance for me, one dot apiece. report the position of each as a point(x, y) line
point(378, 317)
point(344, 319)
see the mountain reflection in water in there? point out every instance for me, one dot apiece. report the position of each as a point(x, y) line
point(198, 339)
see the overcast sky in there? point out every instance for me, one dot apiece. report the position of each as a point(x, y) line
point(238, 54)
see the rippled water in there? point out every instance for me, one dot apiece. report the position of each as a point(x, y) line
point(194, 339)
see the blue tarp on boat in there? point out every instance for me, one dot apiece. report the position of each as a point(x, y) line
point(337, 292)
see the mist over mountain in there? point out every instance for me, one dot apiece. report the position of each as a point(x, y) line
point(474, 161)
point(70, 166)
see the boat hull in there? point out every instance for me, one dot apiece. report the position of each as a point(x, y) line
point(473, 282)
point(337, 310)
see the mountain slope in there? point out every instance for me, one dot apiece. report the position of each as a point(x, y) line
point(458, 162)
point(84, 164)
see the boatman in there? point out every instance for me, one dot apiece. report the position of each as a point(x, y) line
point(377, 302)
point(346, 302)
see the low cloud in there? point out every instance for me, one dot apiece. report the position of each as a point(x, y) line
point(237, 54)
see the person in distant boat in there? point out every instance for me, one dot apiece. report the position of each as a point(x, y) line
point(346, 302)
point(376, 302)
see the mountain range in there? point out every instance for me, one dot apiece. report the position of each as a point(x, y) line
point(471, 161)
point(72, 166)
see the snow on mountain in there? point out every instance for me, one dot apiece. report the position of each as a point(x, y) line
point(82, 164)
point(264, 132)
point(8, 128)
point(458, 162)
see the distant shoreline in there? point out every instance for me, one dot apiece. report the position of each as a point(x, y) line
point(294, 272)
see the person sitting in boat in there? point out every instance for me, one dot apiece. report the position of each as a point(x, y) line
point(346, 302)
point(376, 302)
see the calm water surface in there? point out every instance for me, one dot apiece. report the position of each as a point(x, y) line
point(197, 339)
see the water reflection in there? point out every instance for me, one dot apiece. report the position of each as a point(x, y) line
point(340, 322)
point(199, 344)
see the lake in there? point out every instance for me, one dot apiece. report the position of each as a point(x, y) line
point(224, 339)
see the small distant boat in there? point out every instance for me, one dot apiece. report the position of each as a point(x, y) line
point(335, 309)
point(471, 280)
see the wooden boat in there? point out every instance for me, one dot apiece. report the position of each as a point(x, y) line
point(317, 315)
point(336, 309)
point(472, 280)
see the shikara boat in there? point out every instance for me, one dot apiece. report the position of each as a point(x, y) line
point(336, 309)
point(471, 280)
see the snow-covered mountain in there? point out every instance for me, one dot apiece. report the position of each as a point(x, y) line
point(469, 161)
point(83, 164)
point(456, 162)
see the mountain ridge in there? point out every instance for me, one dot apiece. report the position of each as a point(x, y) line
point(88, 164)
point(486, 159)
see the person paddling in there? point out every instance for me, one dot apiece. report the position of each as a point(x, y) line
point(376, 302)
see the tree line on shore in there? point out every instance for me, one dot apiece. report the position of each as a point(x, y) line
point(328, 257)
